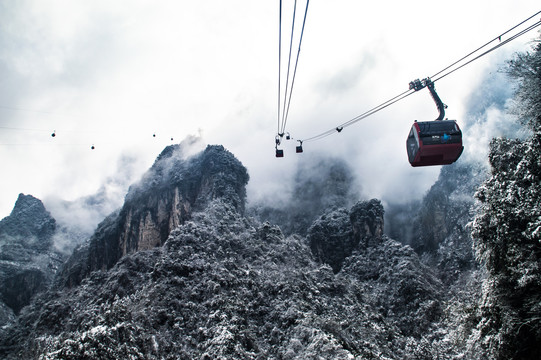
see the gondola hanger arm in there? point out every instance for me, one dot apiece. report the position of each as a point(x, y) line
point(421, 84)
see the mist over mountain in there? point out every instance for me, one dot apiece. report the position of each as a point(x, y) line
point(163, 199)
point(224, 285)
point(322, 182)
point(77, 219)
point(185, 269)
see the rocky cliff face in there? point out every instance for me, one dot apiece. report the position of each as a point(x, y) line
point(27, 257)
point(166, 196)
point(335, 235)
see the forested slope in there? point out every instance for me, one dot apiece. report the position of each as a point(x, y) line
point(507, 229)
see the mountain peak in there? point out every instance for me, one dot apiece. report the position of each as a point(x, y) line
point(30, 221)
point(27, 261)
point(25, 202)
point(176, 185)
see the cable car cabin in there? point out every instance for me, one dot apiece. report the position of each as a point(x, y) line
point(434, 143)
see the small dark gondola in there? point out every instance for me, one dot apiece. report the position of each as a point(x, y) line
point(298, 148)
point(278, 141)
point(437, 142)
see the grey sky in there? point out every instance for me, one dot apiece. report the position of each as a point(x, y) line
point(113, 73)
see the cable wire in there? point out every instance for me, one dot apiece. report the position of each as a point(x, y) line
point(531, 27)
point(23, 129)
point(407, 93)
point(279, 61)
point(288, 67)
point(361, 116)
point(296, 63)
point(481, 47)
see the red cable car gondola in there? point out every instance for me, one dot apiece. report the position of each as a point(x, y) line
point(437, 142)
point(434, 143)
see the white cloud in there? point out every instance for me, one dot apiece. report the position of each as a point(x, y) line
point(114, 73)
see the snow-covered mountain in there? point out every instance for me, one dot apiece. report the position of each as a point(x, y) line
point(181, 272)
point(184, 271)
point(28, 260)
point(167, 195)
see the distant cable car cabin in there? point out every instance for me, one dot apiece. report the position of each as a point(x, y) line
point(437, 142)
point(298, 148)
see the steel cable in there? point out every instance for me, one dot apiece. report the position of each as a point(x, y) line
point(410, 92)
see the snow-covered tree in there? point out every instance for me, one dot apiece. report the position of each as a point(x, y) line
point(507, 229)
point(526, 69)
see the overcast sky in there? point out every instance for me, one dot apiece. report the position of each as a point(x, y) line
point(114, 73)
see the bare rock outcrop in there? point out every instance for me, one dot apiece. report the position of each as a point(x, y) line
point(336, 234)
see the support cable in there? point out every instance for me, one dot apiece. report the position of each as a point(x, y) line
point(481, 47)
point(362, 116)
point(405, 94)
point(531, 27)
point(279, 61)
point(288, 67)
point(295, 71)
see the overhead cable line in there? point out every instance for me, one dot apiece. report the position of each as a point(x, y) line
point(411, 91)
point(22, 129)
point(361, 116)
point(279, 62)
point(481, 47)
point(56, 114)
point(296, 63)
point(85, 131)
point(288, 66)
point(531, 27)
point(90, 135)
point(283, 108)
